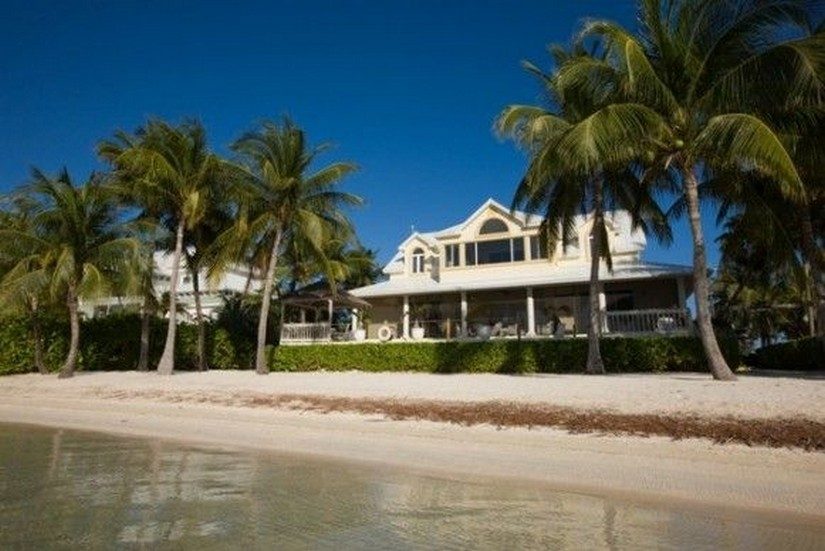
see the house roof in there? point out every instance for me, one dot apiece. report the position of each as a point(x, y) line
point(555, 275)
point(625, 240)
point(320, 293)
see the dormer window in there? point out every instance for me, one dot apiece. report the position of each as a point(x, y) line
point(418, 261)
point(493, 225)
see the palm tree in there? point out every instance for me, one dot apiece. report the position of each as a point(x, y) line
point(760, 285)
point(284, 206)
point(145, 227)
point(700, 65)
point(25, 281)
point(79, 244)
point(173, 171)
point(198, 245)
point(581, 153)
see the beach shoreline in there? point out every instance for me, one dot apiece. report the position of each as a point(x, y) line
point(690, 471)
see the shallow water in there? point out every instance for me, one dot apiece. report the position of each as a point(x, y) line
point(61, 488)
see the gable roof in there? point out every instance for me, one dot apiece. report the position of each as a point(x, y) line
point(521, 218)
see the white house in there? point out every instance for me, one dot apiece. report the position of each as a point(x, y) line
point(234, 281)
point(489, 274)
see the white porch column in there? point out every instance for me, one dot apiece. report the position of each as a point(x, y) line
point(406, 317)
point(329, 310)
point(531, 314)
point(680, 293)
point(303, 316)
point(354, 319)
point(463, 313)
point(603, 310)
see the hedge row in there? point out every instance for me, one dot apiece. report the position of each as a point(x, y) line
point(806, 354)
point(113, 343)
point(621, 355)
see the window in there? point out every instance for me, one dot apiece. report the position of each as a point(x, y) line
point(572, 248)
point(451, 256)
point(418, 261)
point(494, 252)
point(538, 247)
point(518, 249)
point(470, 254)
point(619, 300)
point(493, 225)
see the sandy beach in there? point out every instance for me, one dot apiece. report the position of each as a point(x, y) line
point(223, 408)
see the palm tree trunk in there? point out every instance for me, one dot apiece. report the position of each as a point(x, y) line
point(811, 266)
point(37, 335)
point(248, 285)
point(595, 365)
point(196, 291)
point(261, 365)
point(74, 340)
point(718, 366)
point(167, 360)
point(145, 327)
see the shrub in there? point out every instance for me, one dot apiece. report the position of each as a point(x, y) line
point(806, 354)
point(17, 350)
point(653, 354)
point(112, 343)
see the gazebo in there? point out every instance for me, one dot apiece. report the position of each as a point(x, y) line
point(315, 305)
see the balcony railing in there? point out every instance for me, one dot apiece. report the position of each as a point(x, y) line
point(661, 322)
point(306, 332)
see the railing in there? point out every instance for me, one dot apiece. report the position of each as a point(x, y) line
point(306, 332)
point(662, 321)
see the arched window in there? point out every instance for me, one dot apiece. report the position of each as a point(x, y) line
point(418, 261)
point(493, 225)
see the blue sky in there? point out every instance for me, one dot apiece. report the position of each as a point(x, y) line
point(406, 89)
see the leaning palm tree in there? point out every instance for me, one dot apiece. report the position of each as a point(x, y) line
point(172, 168)
point(80, 245)
point(581, 152)
point(701, 65)
point(284, 204)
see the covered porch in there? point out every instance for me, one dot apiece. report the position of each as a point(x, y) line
point(648, 307)
point(318, 315)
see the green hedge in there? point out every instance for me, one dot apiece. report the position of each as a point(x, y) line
point(806, 354)
point(113, 343)
point(621, 355)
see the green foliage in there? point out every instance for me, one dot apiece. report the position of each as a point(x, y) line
point(112, 343)
point(621, 355)
point(800, 355)
point(17, 351)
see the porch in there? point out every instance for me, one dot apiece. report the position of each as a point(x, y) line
point(630, 309)
point(319, 315)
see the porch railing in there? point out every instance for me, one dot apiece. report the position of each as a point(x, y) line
point(306, 332)
point(664, 321)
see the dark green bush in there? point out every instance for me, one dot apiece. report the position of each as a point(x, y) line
point(17, 350)
point(113, 343)
point(806, 354)
point(653, 354)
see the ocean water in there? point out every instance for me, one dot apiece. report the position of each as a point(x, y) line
point(78, 490)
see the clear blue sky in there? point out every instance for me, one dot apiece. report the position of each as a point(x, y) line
point(407, 89)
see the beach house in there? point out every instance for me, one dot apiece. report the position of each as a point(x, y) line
point(490, 276)
point(212, 293)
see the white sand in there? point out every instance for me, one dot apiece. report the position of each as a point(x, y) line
point(692, 471)
point(750, 396)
